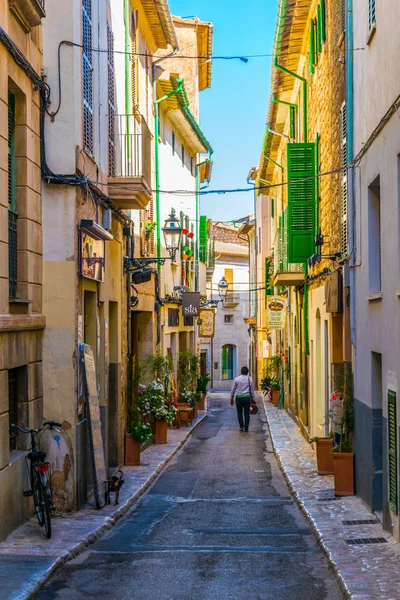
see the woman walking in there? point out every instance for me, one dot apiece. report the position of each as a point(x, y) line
point(243, 387)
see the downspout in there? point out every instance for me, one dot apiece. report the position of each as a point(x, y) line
point(350, 171)
point(157, 162)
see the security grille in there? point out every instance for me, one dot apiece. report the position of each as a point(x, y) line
point(173, 317)
point(364, 541)
point(12, 208)
point(343, 165)
point(87, 75)
point(392, 447)
point(12, 406)
point(361, 522)
point(111, 102)
point(371, 13)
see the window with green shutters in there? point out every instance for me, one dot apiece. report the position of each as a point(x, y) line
point(269, 284)
point(12, 201)
point(203, 239)
point(302, 202)
point(392, 451)
point(312, 47)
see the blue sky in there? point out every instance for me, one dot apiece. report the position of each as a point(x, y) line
point(233, 111)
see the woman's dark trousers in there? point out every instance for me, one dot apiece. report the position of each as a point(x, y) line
point(243, 406)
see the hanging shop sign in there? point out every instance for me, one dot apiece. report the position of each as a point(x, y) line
point(334, 293)
point(276, 312)
point(191, 304)
point(92, 257)
point(206, 323)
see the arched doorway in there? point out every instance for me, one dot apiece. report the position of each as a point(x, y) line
point(228, 362)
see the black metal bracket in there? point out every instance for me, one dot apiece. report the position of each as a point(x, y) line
point(135, 264)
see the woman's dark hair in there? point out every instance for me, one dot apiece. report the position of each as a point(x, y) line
point(244, 371)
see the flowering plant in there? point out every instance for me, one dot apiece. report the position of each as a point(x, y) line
point(189, 397)
point(165, 413)
point(150, 225)
point(152, 398)
point(141, 432)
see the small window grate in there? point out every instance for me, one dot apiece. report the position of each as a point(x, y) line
point(365, 541)
point(87, 76)
point(361, 522)
point(371, 14)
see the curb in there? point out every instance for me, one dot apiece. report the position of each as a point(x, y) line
point(320, 541)
point(32, 589)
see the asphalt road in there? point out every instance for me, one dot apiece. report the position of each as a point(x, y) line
point(218, 524)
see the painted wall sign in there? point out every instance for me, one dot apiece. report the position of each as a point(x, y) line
point(94, 424)
point(276, 312)
point(191, 304)
point(206, 323)
point(92, 257)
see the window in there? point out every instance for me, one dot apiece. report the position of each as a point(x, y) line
point(392, 447)
point(371, 14)
point(111, 101)
point(188, 321)
point(227, 362)
point(173, 143)
point(183, 155)
point(374, 236)
point(173, 317)
point(87, 75)
point(12, 201)
point(228, 318)
point(12, 406)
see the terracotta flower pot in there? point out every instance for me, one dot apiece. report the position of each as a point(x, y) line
point(161, 432)
point(132, 451)
point(275, 397)
point(343, 466)
point(324, 456)
point(200, 405)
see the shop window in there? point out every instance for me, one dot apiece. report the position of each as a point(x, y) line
point(228, 318)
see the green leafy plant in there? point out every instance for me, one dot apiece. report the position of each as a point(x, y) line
point(187, 371)
point(202, 383)
point(141, 432)
point(265, 384)
point(150, 225)
point(346, 423)
point(275, 384)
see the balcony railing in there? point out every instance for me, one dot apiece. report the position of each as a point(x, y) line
point(130, 163)
point(285, 273)
point(232, 298)
point(27, 12)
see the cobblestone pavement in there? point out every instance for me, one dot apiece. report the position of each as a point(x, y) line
point(365, 572)
point(28, 558)
point(218, 524)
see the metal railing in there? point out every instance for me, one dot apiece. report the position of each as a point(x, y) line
point(132, 147)
point(12, 254)
point(281, 264)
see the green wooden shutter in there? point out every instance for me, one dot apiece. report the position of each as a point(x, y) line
point(293, 115)
point(302, 201)
point(319, 29)
point(312, 47)
point(203, 239)
point(323, 21)
point(343, 183)
point(392, 448)
point(285, 239)
point(280, 242)
point(269, 286)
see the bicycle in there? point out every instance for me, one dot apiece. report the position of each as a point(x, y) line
point(40, 485)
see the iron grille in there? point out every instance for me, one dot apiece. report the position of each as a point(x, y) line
point(12, 254)
point(12, 406)
point(173, 317)
point(111, 102)
point(188, 321)
point(87, 75)
point(364, 541)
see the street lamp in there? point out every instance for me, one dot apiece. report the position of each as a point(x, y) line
point(172, 231)
point(223, 288)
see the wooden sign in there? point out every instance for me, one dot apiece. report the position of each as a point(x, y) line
point(206, 323)
point(334, 293)
point(276, 312)
point(94, 424)
point(190, 304)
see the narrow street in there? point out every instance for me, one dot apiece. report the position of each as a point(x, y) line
point(219, 523)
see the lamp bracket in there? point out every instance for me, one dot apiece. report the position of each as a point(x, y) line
point(135, 264)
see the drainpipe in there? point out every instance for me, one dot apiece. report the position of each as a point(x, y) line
point(304, 82)
point(157, 162)
point(282, 135)
point(350, 171)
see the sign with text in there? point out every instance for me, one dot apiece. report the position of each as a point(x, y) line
point(276, 312)
point(191, 304)
point(206, 323)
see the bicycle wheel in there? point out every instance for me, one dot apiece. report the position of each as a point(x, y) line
point(45, 504)
point(36, 485)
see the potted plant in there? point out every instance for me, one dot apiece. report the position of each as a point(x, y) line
point(163, 415)
point(343, 456)
point(186, 412)
point(202, 384)
point(275, 388)
point(149, 227)
point(324, 447)
point(139, 434)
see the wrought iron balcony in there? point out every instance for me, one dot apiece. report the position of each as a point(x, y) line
point(232, 299)
point(130, 161)
point(27, 12)
point(285, 273)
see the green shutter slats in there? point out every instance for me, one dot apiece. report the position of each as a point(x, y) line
point(371, 13)
point(343, 189)
point(392, 451)
point(302, 199)
point(319, 29)
point(323, 21)
point(203, 239)
point(312, 47)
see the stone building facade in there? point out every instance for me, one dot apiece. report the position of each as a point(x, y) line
point(21, 316)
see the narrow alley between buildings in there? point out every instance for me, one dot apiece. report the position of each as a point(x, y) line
point(219, 523)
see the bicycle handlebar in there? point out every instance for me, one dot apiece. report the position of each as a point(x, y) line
point(48, 423)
